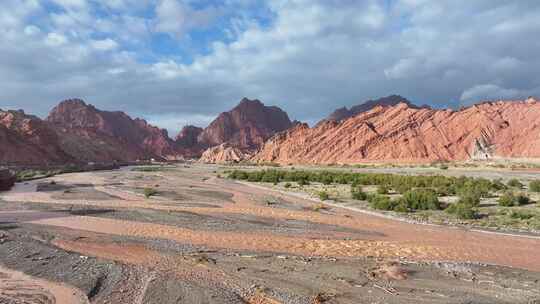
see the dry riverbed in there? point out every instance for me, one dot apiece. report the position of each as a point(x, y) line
point(94, 237)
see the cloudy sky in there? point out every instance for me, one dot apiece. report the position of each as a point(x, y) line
point(183, 61)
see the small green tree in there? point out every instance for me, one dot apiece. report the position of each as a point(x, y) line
point(508, 199)
point(422, 199)
point(381, 202)
point(462, 211)
point(534, 186)
point(357, 193)
point(323, 196)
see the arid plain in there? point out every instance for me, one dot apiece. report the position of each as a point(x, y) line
point(200, 237)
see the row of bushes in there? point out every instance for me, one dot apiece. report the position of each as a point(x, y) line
point(418, 192)
point(443, 185)
point(426, 199)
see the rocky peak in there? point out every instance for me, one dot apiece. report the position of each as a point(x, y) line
point(246, 102)
point(26, 139)
point(247, 125)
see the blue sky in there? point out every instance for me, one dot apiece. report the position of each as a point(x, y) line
point(176, 62)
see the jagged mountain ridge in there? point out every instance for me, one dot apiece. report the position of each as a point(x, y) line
point(402, 133)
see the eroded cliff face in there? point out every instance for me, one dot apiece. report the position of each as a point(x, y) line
point(89, 134)
point(26, 139)
point(407, 134)
point(224, 153)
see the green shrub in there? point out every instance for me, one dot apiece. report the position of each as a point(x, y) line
point(470, 198)
point(522, 199)
point(402, 188)
point(462, 211)
point(422, 199)
point(507, 199)
point(381, 202)
point(534, 186)
point(520, 215)
point(148, 192)
point(400, 205)
point(323, 196)
point(287, 185)
point(515, 183)
point(357, 193)
point(444, 191)
point(382, 189)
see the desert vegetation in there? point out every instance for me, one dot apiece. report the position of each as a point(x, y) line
point(435, 198)
point(150, 168)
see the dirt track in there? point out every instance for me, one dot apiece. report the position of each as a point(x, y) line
point(208, 240)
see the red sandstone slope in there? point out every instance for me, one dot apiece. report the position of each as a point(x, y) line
point(246, 126)
point(402, 133)
point(28, 140)
point(90, 134)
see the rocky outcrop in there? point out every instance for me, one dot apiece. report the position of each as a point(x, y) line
point(224, 153)
point(402, 133)
point(247, 126)
point(188, 136)
point(26, 139)
point(7, 180)
point(89, 134)
point(344, 113)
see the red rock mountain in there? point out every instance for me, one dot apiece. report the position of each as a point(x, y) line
point(247, 126)
point(402, 133)
point(76, 132)
point(89, 134)
point(28, 140)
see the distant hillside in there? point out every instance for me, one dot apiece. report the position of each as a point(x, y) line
point(344, 113)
